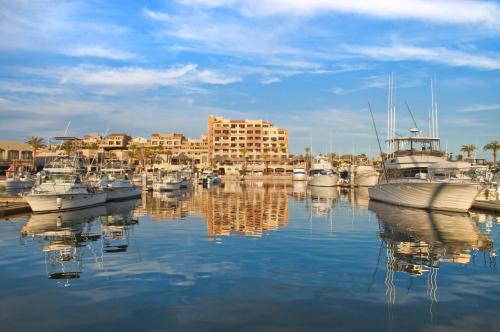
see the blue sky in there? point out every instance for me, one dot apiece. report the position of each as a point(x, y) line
point(310, 66)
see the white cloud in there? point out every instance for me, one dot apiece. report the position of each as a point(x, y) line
point(399, 52)
point(480, 108)
point(99, 52)
point(484, 13)
point(271, 80)
point(143, 77)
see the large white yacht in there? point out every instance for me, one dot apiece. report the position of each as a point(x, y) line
point(322, 173)
point(417, 176)
point(60, 188)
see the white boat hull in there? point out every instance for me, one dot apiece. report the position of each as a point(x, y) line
point(299, 177)
point(366, 179)
point(166, 186)
point(115, 194)
point(427, 195)
point(64, 202)
point(324, 180)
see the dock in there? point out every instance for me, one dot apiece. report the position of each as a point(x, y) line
point(13, 205)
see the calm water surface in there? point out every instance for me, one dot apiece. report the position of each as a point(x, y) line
point(254, 257)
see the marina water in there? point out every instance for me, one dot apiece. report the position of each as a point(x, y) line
point(250, 257)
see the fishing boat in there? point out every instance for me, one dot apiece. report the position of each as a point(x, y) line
point(61, 188)
point(208, 178)
point(365, 176)
point(114, 181)
point(167, 181)
point(322, 173)
point(416, 175)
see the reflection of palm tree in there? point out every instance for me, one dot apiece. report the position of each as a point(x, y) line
point(468, 149)
point(494, 146)
point(36, 144)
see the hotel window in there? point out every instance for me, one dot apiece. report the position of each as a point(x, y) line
point(242, 126)
point(234, 126)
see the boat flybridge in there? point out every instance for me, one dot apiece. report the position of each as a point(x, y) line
point(59, 187)
point(416, 174)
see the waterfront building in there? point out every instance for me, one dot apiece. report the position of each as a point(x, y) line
point(256, 140)
point(91, 139)
point(15, 151)
point(115, 141)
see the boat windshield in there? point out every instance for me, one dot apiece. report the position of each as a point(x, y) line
point(320, 172)
point(60, 178)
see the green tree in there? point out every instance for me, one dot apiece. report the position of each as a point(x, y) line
point(36, 144)
point(468, 149)
point(494, 146)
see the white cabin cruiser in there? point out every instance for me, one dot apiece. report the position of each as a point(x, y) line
point(299, 174)
point(167, 182)
point(60, 188)
point(322, 173)
point(115, 182)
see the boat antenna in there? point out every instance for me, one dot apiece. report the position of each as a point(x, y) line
point(378, 140)
point(412, 117)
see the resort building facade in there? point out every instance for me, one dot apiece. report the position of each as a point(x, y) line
point(254, 140)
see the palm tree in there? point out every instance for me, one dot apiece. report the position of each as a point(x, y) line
point(244, 152)
point(307, 150)
point(68, 147)
point(36, 144)
point(468, 149)
point(494, 146)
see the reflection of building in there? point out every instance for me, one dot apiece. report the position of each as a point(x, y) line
point(233, 209)
point(247, 211)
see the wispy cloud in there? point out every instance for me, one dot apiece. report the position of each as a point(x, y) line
point(99, 52)
point(441, 55)
point(484, 13)
point(143, 77)
point(480, 108)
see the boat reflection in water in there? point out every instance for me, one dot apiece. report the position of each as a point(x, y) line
point(299, 190)
point(234, 209)
point(323, 199)
point(117, 224)
point(418, 242)
point(65, 236)
point(359, 198)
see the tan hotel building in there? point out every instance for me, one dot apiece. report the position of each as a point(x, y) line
point(253, 139)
